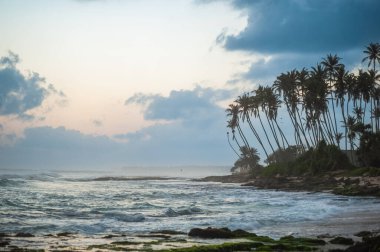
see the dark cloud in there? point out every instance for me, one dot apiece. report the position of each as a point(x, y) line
point(276, 26)
point(182, 104)
point(265, 71)
point(19, 93)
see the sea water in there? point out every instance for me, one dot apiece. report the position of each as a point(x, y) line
point(93, 203)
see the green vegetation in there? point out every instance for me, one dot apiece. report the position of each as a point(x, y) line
point(314, 161)
point(342, 240)
point(329, 109)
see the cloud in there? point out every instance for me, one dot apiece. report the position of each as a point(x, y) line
point(52, 148)
point(194, 133)
point(26, 117)
point(295, 26)
point(97, 123)
point(181, 105)
point(292, 34)
point(20, 93)
point(264, 71)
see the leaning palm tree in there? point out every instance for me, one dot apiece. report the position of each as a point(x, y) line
point(233, 112)
point(258, 101)
point(332, 66)
point(373, 54)
point(351, 124)
point(341, 89)
point(245, 103)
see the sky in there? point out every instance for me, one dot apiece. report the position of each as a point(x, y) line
point(112, 83)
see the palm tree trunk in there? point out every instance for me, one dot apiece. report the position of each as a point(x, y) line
point(302, 130)
point(274, 133)
point(257, 136)
point(228, 138)
point(344, 121)
point(265, 132)
point(328, 129)
point(333, 106)
point(281, 133)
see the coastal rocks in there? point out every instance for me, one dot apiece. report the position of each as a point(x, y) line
point(368, 244)
point(24, 235)
point(332, 182)
point(342, 241)
point(168, 232)
point(211, 233)
point(221, 233)
point(4, 243)
point(234, 178)
point(363, 234)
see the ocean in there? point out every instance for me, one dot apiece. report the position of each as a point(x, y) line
point(99, 203)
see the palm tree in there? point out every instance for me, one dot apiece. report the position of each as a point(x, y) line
point(244, 103)
point(351, 123)
point(317, 91)
point(286, 86)
point(248, 161)
point(341, 89)
point(332, 66)
point(373, 92)
point(376, 116)
point(233, 112)
point(228, 139)
point(373, 54)
point(258, 101)
point(273, 103)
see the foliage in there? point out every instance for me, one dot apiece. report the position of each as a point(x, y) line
point(369, 149)
point(322, 159)
point(315, 101)
point(248, 161)
point(284, 155)
point(363, 171)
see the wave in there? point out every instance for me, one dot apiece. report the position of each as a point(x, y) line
point(45, 177)
point(4, 182)
point(136, 217)
point(182, 211)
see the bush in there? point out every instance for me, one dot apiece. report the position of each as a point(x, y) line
point(323, 158)
point(314, 161)
point(369, 149)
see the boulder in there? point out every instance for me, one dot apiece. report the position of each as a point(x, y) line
point(211, 233)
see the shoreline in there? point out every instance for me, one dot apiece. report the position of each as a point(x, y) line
point(319, 235)
point(207, 239)
point(332, 183)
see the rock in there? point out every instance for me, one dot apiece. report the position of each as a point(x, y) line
point(211, 233)
point(242, 233)
point(24, 235)
point(368, 244)
point(168, 232)
point(109, 236)
point(342, 241)
point(154, 236)
point(64, 234)
point(4, 243)
point(363, 234)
